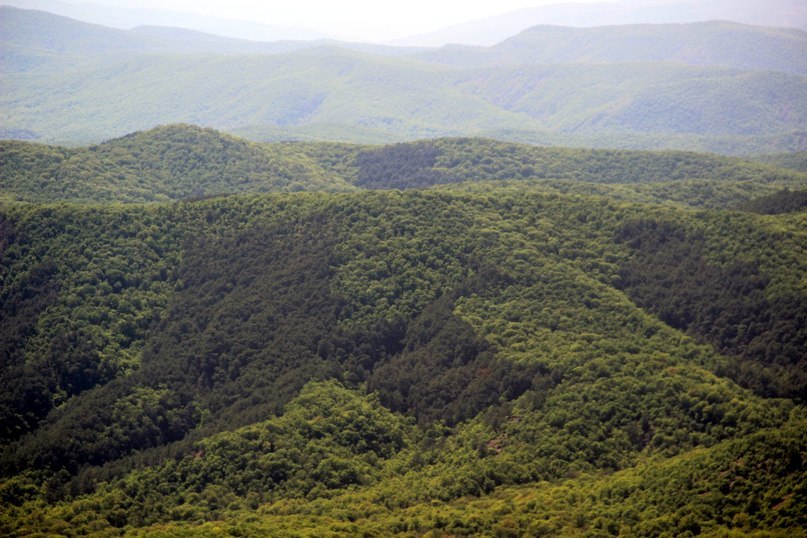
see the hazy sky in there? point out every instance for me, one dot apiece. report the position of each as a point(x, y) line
point(367, 19)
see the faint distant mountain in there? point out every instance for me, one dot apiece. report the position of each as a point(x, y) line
point(492, 30)
point(706, 43)
point(69, 81)
point(127, 17)
point(29, 38)
point(184, 40)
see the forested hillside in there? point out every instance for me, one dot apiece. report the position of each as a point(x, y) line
point(81, 84)
point(707, 43)
point(167, 163)
point(179, 162)
point(796, 160)
point(470, 359)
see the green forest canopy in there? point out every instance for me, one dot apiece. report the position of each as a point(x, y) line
point(477, 358)
point(177, 162)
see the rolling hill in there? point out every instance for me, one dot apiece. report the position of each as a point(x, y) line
point(492, 30)
point(178, 162)
point(168, 163)
point(330, 92)
point(708, 43)
point(30, 38)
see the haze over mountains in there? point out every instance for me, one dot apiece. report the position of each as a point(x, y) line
point(485, 31)
point(124, 17)
point(491, 30)
point(706, 86)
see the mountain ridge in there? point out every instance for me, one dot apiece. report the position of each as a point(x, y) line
point(347, 92)
point(701, 43)
point(123, 17)
point(74, 37)
point(175, 162)
point(492, 30)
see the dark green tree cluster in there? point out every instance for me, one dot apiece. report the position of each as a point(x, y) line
point(400, 166)
point(81, 287)
point(452, 160)
point(446, 372)
point(726, 306)
point(784, 201)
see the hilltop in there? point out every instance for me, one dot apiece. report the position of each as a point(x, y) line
point(167, 163)
point(178, 162)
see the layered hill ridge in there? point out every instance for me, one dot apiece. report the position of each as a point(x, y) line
point(709, 43)
point(178, 162)
point(680, 91)
point(492, 30)
point(48, 35)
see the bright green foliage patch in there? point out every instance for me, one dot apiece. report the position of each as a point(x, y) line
point(167, 163)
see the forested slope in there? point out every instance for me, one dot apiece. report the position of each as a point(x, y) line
point(177, 162)
point(705, 43)
point(469, 359)
point(413, 329)
point(167, 163)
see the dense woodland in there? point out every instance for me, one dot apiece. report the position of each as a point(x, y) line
point(181, 162)
point(545, 341)
point(795, 160)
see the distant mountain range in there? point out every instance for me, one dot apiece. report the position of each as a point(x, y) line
point(485, 31)
point(492, 30)
point(28, 35)
point(719, 86)
point(721, 44)
point(129, 17)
